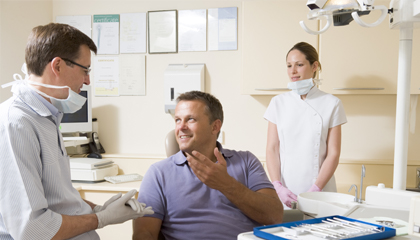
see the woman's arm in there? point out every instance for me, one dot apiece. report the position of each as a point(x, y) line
point(333, 154)
point(273, 152)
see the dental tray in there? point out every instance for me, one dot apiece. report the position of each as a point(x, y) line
point(332, 227)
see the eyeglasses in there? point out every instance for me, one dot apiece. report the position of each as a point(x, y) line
point(86, 68)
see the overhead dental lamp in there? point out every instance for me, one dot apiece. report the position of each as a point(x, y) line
point(341, 13)
point(403, 15)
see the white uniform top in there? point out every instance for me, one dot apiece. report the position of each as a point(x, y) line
point(34, 170)
point(302, 127)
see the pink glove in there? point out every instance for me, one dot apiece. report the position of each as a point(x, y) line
point(314, 188)
point(285, 195)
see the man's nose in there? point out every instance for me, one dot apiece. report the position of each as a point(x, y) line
point(86, 80)
point(182, 125)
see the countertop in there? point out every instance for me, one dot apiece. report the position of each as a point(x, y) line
point(107, 186)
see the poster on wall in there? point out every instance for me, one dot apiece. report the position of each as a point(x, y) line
point(106, 76)
point(192, 30)
point(223, 28)
point(132, 75)
point(106, 33)
point(133, 33)
point(163, 31)
point(82, 22)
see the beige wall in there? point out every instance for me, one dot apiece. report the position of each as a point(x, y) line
point(137, 125)
point(17, 18)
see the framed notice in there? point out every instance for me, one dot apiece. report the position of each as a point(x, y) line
point(163, 32)
point(192, 29)
point(223, 28)
point(105, 33)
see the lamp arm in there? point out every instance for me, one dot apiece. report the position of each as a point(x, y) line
point(357, 19)
point(325, 28)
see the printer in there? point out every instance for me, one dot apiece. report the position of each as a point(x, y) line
point(92, 169)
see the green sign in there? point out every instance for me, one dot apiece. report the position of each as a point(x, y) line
point(106, 18)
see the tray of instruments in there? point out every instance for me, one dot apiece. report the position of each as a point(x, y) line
point(332, 227)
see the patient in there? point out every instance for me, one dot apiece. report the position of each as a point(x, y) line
point(205, 191)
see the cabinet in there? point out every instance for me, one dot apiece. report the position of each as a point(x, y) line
point(355, 60)
point(358, 60)
point(270, 29)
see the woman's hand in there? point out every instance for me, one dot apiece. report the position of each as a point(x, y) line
point(314, 188)
point(285, 195)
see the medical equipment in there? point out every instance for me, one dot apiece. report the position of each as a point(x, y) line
point(81, 120)
point(342, 12)
point(332, 227)
point(181, 78)
point(124, 178)
point(91, 169)
point(414, 219)
point(418, 178)
point(403, 15)
point(86, 143)
point(314, 4)
point(359, 199)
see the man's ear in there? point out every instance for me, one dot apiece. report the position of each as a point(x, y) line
point(55, 66)
point(217, 125)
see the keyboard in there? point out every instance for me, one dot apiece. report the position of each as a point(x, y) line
point(124, 178)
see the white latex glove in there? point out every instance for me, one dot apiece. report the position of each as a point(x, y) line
point(136, 205)
point(118, 212)
point(99, 208)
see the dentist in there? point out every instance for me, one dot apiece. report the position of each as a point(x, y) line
point(304, 131)
point(37, 198)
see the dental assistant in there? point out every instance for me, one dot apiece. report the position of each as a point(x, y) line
point(304, 130)
point(37, 198)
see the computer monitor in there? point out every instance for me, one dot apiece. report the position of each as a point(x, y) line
point(80, 121)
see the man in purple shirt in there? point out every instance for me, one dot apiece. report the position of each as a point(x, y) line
point(205, 191)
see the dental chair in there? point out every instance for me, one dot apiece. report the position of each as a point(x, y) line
point(171, 145)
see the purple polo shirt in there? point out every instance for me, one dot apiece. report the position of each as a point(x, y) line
point(191, 210)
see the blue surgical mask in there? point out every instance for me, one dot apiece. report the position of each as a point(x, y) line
point(301, 87)
point(71, 104)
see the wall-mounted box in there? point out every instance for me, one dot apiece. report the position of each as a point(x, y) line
point(181, 78)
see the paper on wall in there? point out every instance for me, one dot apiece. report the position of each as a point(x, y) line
point(106, 76)
point(132, 75)
point(106, 33)
point(133, 33)
point(82, 22)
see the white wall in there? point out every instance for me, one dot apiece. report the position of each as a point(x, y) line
point(137, 125)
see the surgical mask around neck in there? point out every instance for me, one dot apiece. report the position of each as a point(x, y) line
point(71, 104)
point(301, 87)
